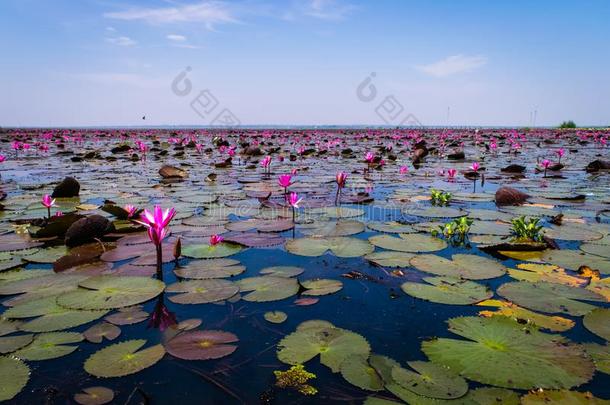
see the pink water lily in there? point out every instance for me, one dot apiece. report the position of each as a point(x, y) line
point(285, 180)
point(157, 223)
point(48, 202)
point(369, 157)
point(294, 201)
point(560, 152)
point(216, 239)
point(451, 173)
point(266, 163)
point(2, 158)
point(475, 166)
point(545, 164)
point(341, 178)
point(131, 210)
point(403, 170)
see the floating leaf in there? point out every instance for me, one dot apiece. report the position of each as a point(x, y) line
point(333, 229)
point(549, 297)
point(282, 271)
point(357, 371)
point(94, 396)
point(553, 323)
point(128, 316)
point(471, 267)
point(448, 290)
point(46, 346)
point(98, 332)
point(321, 286)
point(573, 259)
point(8, 326)
point(562, 397)
point(571, 232)
point(202, 291)
point(413, 243)
point(275, 316)
point(598, 322)
point(502, 353)
point(390, 258)
point(123, 358)
point(268, 288)
point(9, 344)
point(430, 380)
point(108, 292)
point(436, 212)
point(14, 375)
point(206, 251)
point(202, 345)
point(48, 255)
point(334, 345)
point(338, 212)
point(545, 272)
point(600, 355)
point(339, 246)
point(212, 268)
point(595, 249)
point(390, 227)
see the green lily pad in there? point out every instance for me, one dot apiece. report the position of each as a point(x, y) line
point(489, 228)
point(600, 355)
point(503, 353)
point(48, 255)
point(206, 251)
point(40, 287)
point(430, 380)
point(268, 288)
point(436, 212)
point(338, 212)
point(212, 268)
point(334, 345)
point(471, 267)
point(127, 316)
point(549, 297)
point(448, 290)
point(282, 271)
point(339, 246)
point(572, 232)
point(596, 249)
point(357, 371)
point(14, 375)
point(333, 229)
point(9, 344)
point(94, 396)
point(412, 243)
point(202, 291)
point(521, 315)
point(598, 322)
point(390, 227)
point(8, 326)
point(46, 346)
point(123, 359)
point(321, 286)
point(573, 259)
point(561, 397)
point(109, 292)
point(275, 316)
point(390, 258)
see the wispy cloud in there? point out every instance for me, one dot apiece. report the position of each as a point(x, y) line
point(453, 65)
point(328, 9)
point(209, 13)
point(176, 37)
point(121, 41)
point(117, 78)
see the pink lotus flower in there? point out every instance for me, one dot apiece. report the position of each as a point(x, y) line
point(294, 171)
point(215, 240)
point(560, 152)
point(341, 178)
point(285, 180)
point(2, 158)
point(294, 200)
point(59, 214)
point(403, 170)
point(475, 167)
point(546, 163)
point(130, 210)
point(199, 147)
point(231, 151)
point(47, 201)
point(157, 223)
point(451, 173)
point(369, 157)
point(266, 163)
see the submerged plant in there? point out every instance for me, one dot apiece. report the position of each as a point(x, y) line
point(456, 231)
point(296, 378)
point(157, 223)
point(439, 197)
point(527, 228)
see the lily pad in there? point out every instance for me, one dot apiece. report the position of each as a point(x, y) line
point(207, 251)
point(46, 346)
point(94, 396)
point(600, 355)
point(562, 397)
point(502, 353)
point(212, 268)
point(202, 291)
point(598, 322)
point(430, 380)
point(9, 344)
point(275, 316)
point(98, 332)
point(14, 375)
point(333, 229)
point(521, 315)
point(390, 258)
point(549, 297)
point(412, 243)
point(268, 288)
point(471, 267)
point(123, 359)
point(202, 345)
point(448, 290)
point(357, 371)
point(108, 292)
point(339, 246)
point(321, 286)
point(390, 227)
point(573, 259)
point(334, 345)
point(533, 272)
point(282, 271)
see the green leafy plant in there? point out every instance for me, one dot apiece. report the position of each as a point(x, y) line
point(567, 124)
point(527, 228)
point(439, 197)
point(456, 231)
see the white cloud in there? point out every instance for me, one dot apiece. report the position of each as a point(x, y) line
point(328, 9)
point(453, 65)
point(176, 37)
point(121, 41)
point(123, 79)
point(207, 12)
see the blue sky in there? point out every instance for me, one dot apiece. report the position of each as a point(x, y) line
point(106, 62)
